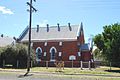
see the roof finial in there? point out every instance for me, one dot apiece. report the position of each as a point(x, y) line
point(70, 28)
point(1, 35)
point(37, 28)
point(47, 27)
point(82, 34)
point(58, 26)
point(81, 26)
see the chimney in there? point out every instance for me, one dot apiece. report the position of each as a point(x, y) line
point(15, 38)
point(47, 27)
point(58, 27)
point(37, 28)
point(69, 27)
point(1, 35)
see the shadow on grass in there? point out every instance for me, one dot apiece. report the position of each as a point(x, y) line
point(115, 71)
point(22, 76)
point(59, 71)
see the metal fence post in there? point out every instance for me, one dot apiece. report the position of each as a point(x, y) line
point(72, 63)
point(81, 64)
point(31, 63)
point(3, 63)
point(46, 64)
point(17, 63)
point(110, 66)
point(89, 65)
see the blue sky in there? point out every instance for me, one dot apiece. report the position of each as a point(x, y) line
point(93, 13)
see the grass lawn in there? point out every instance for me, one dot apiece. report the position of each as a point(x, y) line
point(102, 70)
point(94, 74)
point(101, 73)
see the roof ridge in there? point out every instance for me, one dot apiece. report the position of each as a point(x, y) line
point(55, 26)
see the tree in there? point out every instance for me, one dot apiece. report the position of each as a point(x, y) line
point(108, 43)
point(13, 53)
point(1, 51)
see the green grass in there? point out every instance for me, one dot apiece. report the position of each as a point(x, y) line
point(94, 74)
point(77, 73)
point(100, 70)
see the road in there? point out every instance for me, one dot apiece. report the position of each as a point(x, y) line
point(47, 76)
point(19, 76)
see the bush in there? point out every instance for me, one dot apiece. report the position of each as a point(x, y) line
point(12, 54)
point(1, 50)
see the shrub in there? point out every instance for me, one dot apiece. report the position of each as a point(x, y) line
point(1, 50)
point(12, 54)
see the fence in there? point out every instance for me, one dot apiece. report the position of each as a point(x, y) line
point(17, 64)
point(71, 64)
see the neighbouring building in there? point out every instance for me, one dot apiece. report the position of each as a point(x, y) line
point(5, 41)
point(58, 43)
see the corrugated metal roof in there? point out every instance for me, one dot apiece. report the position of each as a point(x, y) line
point(5, 40)
point(41, 33)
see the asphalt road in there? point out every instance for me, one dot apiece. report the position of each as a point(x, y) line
point(44, 76)
point(31, 76)
point(19, 76)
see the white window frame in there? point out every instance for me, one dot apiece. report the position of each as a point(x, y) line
point(51, 53)
point(60, 54)
point(60, 43)
point(45, 54)
point(79, 53)
point(37, 53)
point(32, 44)
point(45, 44)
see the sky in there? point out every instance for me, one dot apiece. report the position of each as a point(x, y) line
point(94, 14)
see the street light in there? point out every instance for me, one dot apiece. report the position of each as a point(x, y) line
point(29, 44)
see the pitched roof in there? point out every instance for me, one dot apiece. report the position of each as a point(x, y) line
point(5, 40)
point(51, 33)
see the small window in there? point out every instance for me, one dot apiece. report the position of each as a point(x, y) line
point(72, 57)
point(60, 43)
point(45, 53)
point(60, 54)
point(45, 44)
point(79, 54)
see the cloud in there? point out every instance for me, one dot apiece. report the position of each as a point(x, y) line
point(43, 23)
point(5, 10)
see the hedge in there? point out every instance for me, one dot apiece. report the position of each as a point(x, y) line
point(13, 53)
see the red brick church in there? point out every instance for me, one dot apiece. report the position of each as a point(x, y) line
point(58, 43)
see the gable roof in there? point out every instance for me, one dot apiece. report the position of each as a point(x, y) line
point(51, 33)
point(5, 40)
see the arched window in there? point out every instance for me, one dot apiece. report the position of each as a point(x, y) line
point(53, 51)
point(38, 53)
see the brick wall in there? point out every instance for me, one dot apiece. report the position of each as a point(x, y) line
point(67, 48)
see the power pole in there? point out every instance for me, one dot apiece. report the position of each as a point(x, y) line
point(29, 44)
